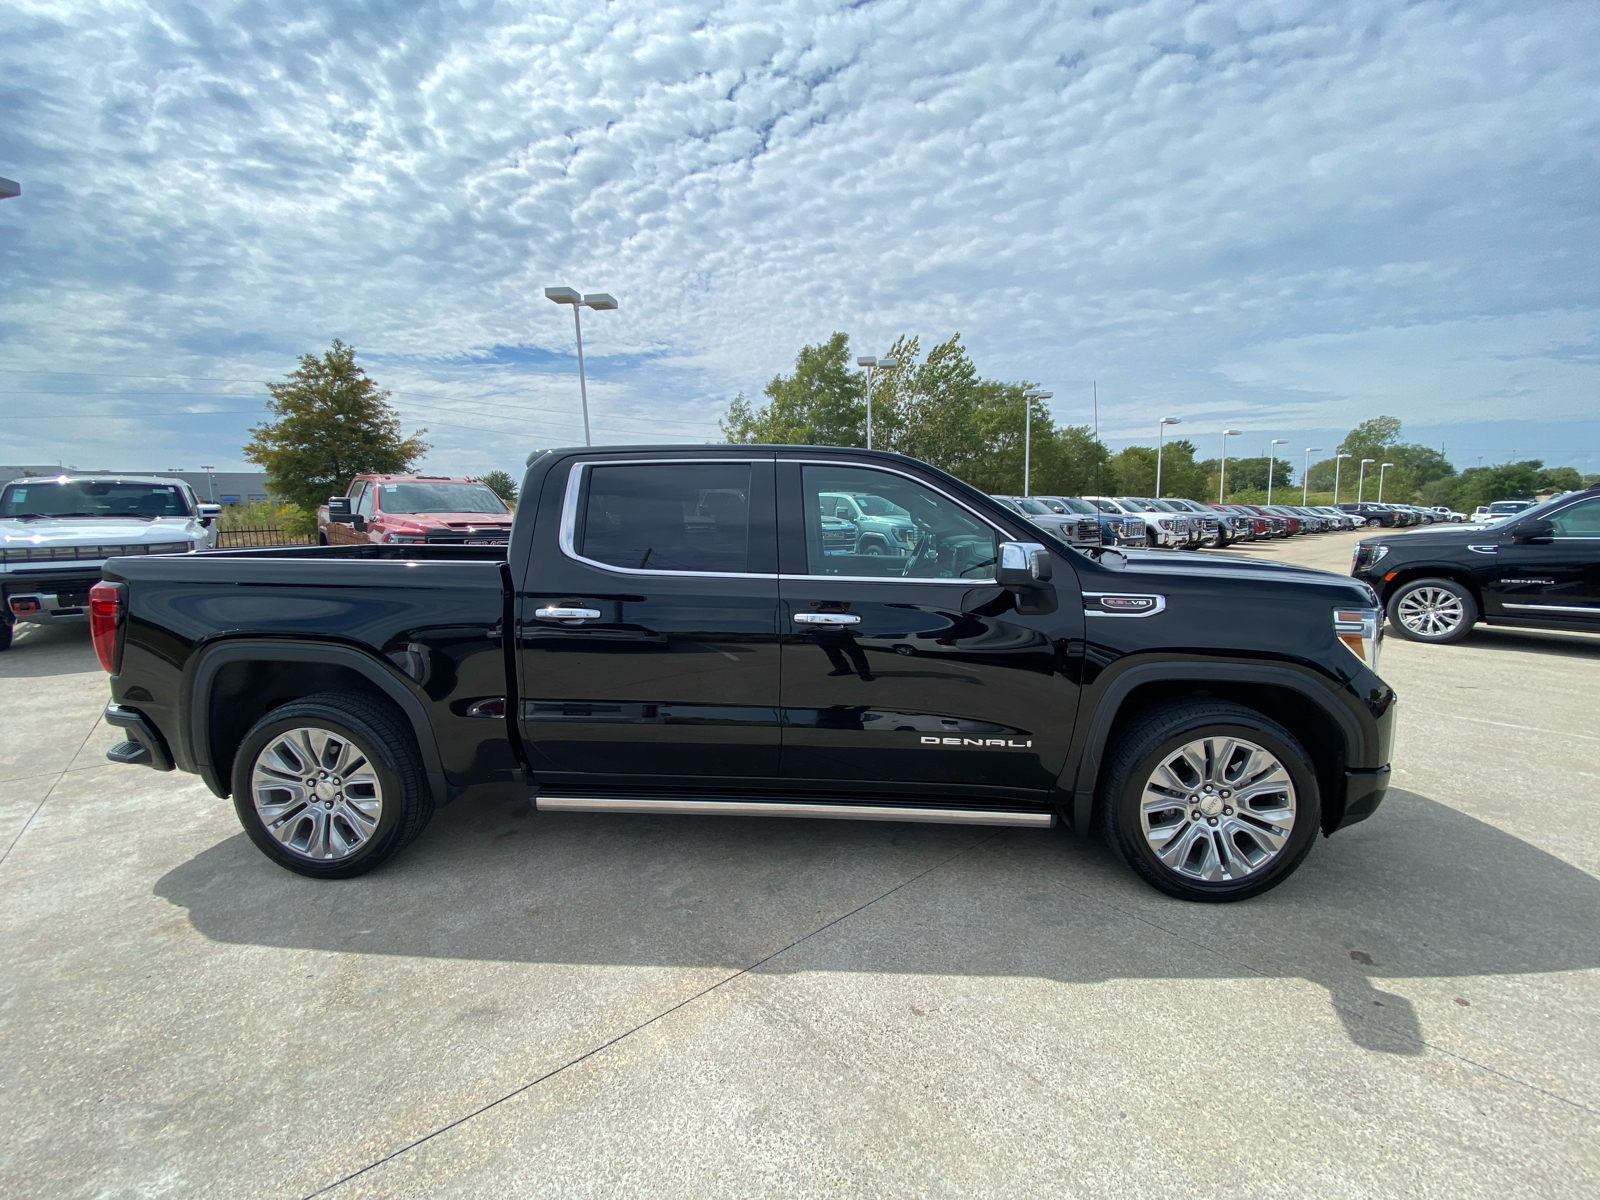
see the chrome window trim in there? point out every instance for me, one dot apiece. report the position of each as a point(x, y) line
point(832, 462)
point(567, 536)
point(1160, 605)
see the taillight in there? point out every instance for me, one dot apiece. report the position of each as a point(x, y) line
point(105, 623)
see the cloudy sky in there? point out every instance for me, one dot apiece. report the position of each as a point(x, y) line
point(1281, 216)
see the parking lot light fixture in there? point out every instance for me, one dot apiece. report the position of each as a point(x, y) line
point(1361, 480)
point(9, 189)
point(1028, 397)
point(1222, 484)
point(1305, 491)
point(1272, 463)
point(873, 364)
point(1161, 430)
point(600, 302)
point(1383, 470)
point(1338, 461)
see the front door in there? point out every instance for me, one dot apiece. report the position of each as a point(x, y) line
point(912, 673)
point(648, 621)
point(1551, 578)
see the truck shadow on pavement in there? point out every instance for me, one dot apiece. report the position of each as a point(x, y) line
point(1421, 891)
point(38, 651)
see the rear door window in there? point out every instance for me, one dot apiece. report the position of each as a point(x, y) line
point(666, 517)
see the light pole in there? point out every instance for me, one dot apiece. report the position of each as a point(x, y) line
point(1161, 430)
point(1272, 462)
point(1305, 492)
point(887, 363)
point(1338, 461)
point(599, 301)
point(1361, 480)
point(1222, 484)
point(211, 484)
point(1382, 471)
point(1028, 397)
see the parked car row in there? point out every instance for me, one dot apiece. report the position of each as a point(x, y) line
point(1399, 516)
point(1173, 524)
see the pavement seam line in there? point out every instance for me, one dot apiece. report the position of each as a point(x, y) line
point(1332, 1000)
point(645, 1024)
point(49, 792)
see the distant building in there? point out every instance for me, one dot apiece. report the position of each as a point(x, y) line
point(216, 487)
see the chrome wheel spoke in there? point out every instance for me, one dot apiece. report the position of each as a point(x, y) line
point(1251, 798)
point(317, 794)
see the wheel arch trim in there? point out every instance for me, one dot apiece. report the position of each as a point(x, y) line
point(202, 677)
point(1412, 572)
point(1358, 744)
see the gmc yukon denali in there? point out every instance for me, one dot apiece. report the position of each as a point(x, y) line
point(671, 630)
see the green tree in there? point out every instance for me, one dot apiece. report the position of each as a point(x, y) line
point(331, 424)
point(1250, 475)
point(502, 485)
point(822, 404)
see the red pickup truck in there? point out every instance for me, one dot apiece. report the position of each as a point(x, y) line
point(390, 509)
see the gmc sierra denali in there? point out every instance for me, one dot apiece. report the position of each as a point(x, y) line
point(671, 630)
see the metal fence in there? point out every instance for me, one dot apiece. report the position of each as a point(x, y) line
point(256, 536)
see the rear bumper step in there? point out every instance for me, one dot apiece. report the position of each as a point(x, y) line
point(793, 808)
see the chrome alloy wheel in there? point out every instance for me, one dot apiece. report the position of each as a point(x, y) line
point(1218, 809)
point(316, 793)
point(1431, 611)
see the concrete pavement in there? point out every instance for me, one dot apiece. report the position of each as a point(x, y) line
point(566, 1004)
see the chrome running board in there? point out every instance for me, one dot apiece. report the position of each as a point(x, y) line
point(782, 808)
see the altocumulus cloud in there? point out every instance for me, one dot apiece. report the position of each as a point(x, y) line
point(1277, 212)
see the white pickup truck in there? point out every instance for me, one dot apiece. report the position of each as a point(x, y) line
point(57, 531)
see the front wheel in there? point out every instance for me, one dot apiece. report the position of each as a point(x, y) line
point(331, 786)
point(1210, 801)
point(5, 635)
point(1433, 610)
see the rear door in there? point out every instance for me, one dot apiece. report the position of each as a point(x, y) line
point(648, 622)
point(915, 674)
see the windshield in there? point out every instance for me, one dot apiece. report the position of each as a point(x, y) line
point(877, 506)
point(1073, 504)
point(92, 498)
point(1036, 508)
point(1142, 505)
point(1110, 506)
point(1505, 507)
point(438, 498)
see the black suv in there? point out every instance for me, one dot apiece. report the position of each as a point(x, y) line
point(1539, 569)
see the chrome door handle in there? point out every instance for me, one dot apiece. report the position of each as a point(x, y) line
point(567, 614)
point(826, 619)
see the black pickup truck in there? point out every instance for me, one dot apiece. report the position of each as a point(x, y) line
point(670, 631)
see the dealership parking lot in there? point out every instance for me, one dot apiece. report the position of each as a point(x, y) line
point(567, 1004)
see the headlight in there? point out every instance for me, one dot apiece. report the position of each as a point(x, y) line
point(1358, 629)
point(1165, 524)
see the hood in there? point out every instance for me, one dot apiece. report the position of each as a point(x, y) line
point(1148, 568)
point(117, 531)
point(1436, 535)
point(464, 518)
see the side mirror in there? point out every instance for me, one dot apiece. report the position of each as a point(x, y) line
point(1536, 532)
point(339, 509)
point(208, 512)
point(1024, 566)
point(358, 523)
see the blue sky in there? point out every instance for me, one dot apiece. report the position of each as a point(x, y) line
point(1283, 217)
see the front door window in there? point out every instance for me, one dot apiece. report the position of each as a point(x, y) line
point(872, 524)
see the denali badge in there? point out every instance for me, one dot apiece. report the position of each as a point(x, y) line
point(1003, 743)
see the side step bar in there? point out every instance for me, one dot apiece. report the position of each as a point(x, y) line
point(783, 808)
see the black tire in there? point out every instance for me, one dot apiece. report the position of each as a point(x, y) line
point(873, 546)
point(1439, 611)
point(322, 537)
point(1162, 732)
point(383, 738)
point(5, 635)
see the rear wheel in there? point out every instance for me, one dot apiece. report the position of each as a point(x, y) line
point(1210, 801)
point(1433, 610)
point(5, 635)
point(331, 786)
